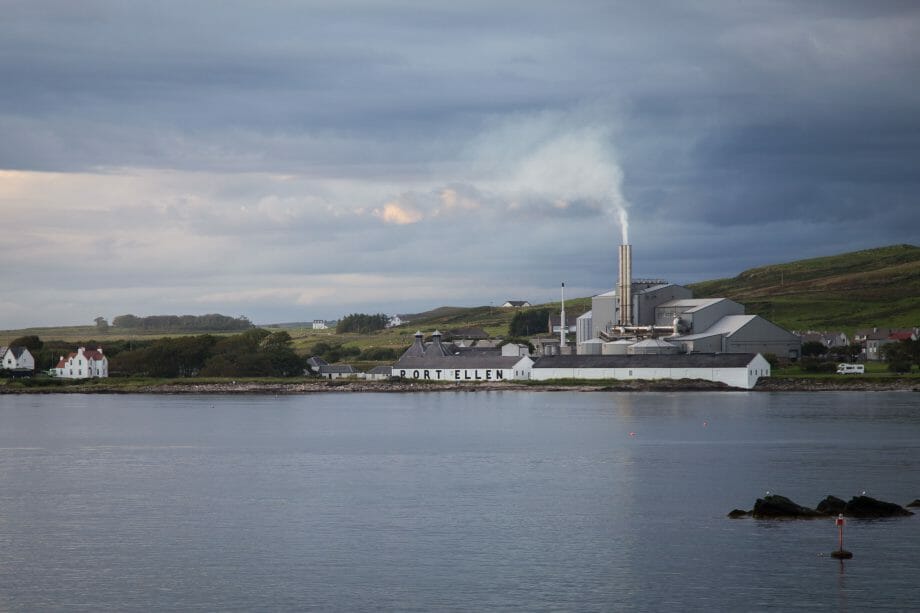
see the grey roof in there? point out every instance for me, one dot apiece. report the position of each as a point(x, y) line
point(464, 360)
point(691, 304)
point(727, 325)
point(471, 332)
point(316, 361)
point(380, 370)
point(340, 369)
point(684, 360)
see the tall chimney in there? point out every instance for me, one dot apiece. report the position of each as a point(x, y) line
point(624, 286)
point(562, 325)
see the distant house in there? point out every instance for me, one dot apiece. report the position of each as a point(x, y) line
point(396, 321)
point(828, 339)
point(873, 339)
point(84, 364)
point(337, 371)
point(17, 359)
point(314, 364)
point(379, 373)
point(517, 304)
point(320, 324)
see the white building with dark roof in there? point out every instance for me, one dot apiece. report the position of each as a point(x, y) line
point(18, 359)
point(741, 370)
point(439, 361)
point(337, 371)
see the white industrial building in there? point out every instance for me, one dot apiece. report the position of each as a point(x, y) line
point(741, 370)
point(439, 361)
point(643, 309)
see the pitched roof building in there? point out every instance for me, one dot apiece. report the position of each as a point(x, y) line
point(16, 359)
point(84, 364)
point(439, 361)
point(740, 370)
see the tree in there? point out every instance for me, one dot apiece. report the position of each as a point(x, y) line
point(332, 352)
point(101, 324)
point(847, 353)
point(528, 322)
point(362, 323)
point(813, 349)
point(31, 342)
point(901, 355)
point(284, 361)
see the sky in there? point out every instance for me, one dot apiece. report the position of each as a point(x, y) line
point(288, 161)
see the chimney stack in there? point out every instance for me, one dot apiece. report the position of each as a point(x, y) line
point(562, 326)
point(624, 286)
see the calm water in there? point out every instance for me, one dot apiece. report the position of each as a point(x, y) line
point(452, 501)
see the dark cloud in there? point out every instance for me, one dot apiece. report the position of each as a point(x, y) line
point(263, 145)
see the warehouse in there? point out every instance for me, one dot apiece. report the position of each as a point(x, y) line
point(741, 370)
point(439, 361)
point(639, 309)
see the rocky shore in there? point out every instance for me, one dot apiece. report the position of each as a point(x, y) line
point(301, 386)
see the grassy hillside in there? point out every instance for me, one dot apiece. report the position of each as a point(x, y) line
point(842, 292)
point(848, 291)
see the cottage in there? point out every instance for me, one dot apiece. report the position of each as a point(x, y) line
point(17, 359)
point(337, 371)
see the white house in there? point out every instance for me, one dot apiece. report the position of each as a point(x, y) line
point(319, 324)
point(84, 364)
point(337, 371)
point(16, 358)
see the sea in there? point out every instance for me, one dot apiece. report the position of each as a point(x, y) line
point(453, 501)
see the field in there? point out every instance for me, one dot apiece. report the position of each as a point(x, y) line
point(862, 289)
point(875, 287)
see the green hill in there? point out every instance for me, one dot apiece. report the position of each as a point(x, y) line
point(874, 287)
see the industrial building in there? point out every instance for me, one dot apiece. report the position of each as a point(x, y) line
point(642, 309)
point(741, 370)
point(440, 361)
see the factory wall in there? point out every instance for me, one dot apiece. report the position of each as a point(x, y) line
point(603, 312)
point(744, 377)
point(644, 303)
point(763, 336)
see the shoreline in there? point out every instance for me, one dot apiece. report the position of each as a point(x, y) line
point(772, 384)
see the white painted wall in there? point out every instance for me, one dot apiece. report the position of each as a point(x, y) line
point(744, 377)
point(520, 370)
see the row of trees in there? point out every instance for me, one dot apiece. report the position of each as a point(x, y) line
point(362, 322)
point(213, 322)
point(334, 352)
point(817, 349)
point(254, 353)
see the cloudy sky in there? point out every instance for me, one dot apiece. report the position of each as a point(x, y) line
point(291, 160)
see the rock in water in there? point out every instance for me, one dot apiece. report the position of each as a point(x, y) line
point(915, 503)
point(867, 507)
point(736, 513)
point(780, 507)
point(832, 506)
